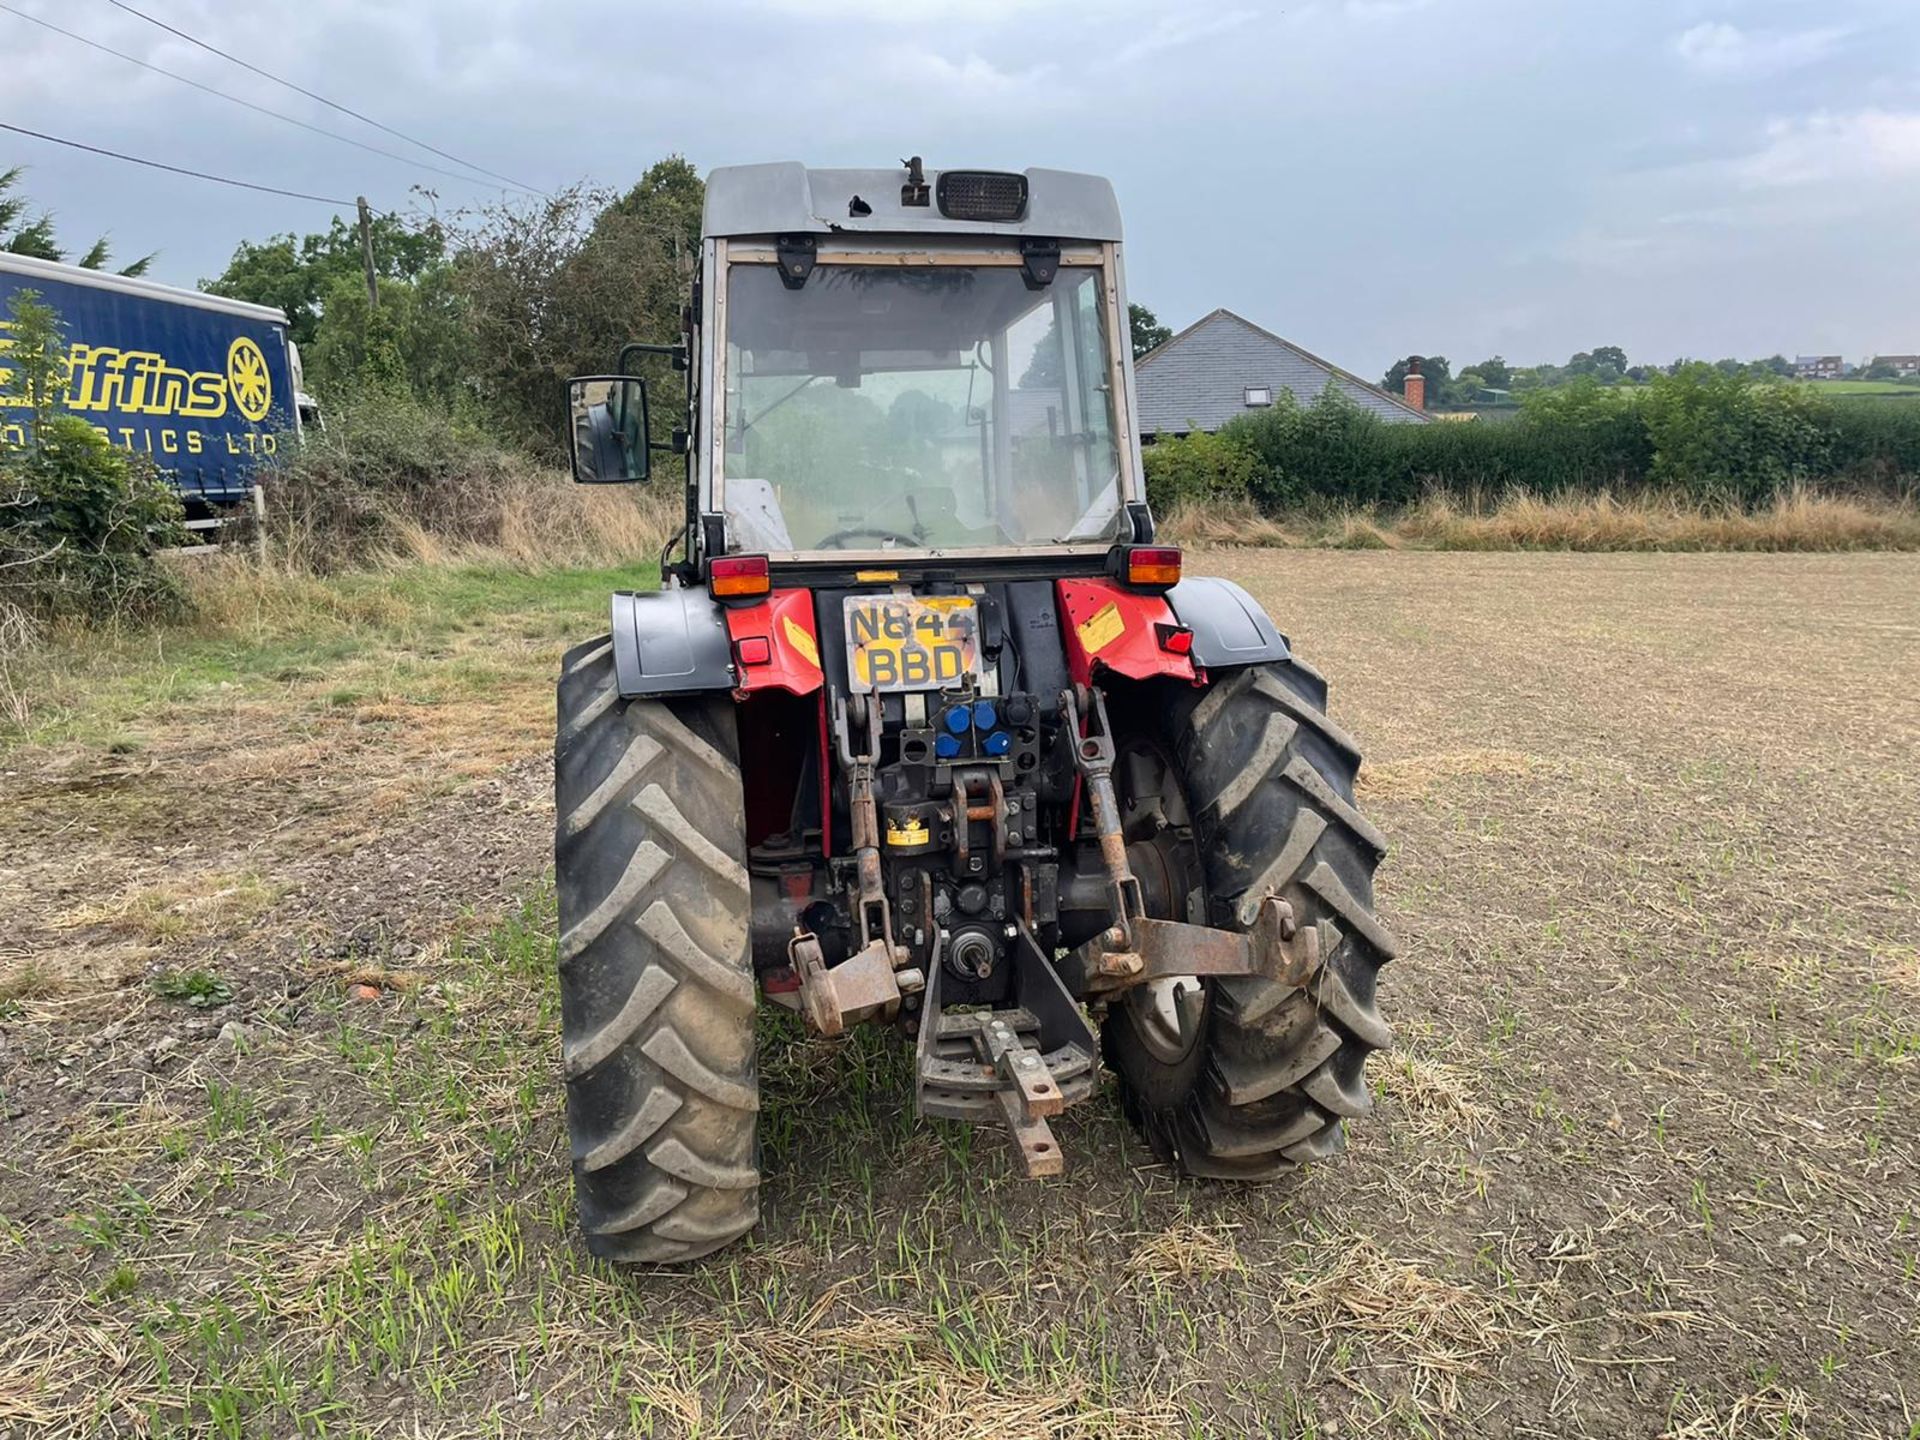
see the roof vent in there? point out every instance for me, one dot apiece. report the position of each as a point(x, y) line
point(981, 195)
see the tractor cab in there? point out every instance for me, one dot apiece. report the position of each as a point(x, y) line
point(890, 368)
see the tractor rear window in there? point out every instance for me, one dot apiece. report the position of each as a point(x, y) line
point(947, 407)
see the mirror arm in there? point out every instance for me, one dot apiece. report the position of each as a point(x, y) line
point(676, 353)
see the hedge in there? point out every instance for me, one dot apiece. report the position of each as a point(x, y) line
point(1697, 433)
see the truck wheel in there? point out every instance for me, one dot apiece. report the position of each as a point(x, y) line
point(657, 992)
point(1244, 1078)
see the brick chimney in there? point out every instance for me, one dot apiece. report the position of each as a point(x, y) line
point(1416, 385)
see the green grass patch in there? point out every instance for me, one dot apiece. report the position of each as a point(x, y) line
point(1845, 389)
point(415, 635)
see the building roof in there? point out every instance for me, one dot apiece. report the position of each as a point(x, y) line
point(1198, 380)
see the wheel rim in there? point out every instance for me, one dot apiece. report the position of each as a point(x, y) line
point(1168, 1015)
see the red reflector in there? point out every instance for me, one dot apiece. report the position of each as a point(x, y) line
point(1153, 565)
point(738, 575)
point(753, 650)
point(1175, 639)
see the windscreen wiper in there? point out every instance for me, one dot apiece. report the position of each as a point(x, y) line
point(746, 425)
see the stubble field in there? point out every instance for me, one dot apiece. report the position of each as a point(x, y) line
point(1642, 1164)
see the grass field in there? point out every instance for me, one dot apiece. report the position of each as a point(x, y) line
point(284, 1149)
point(1844, 389)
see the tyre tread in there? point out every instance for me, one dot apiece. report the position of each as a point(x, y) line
point(1270, 778)
point(657, 991)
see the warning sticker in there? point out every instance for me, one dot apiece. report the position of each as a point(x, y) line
point(1106, 626)
point(800, 640)
point(914, 832)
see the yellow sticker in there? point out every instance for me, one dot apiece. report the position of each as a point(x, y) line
point(875, 577)
point(914, 832)
point(1106, 626)
point(800, 641)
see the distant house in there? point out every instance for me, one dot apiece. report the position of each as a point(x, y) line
point(1223, 367)
point(1819, 367)
point(1902, 365)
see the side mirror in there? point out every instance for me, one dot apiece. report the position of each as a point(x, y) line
point(607, 429)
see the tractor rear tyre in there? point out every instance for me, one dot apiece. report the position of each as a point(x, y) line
point(657, 993)
point(1243, 1078)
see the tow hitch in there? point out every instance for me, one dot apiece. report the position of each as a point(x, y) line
point(1020, 1065)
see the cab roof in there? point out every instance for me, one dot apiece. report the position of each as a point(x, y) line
point(786, 198)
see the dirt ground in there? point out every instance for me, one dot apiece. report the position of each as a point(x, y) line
point(1642, 1164)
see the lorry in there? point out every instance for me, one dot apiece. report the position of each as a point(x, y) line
point(927, 728)
point(206, 387)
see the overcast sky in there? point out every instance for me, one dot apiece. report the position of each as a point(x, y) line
point(1367, 177)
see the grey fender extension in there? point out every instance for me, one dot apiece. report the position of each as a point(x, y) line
point(670, 642)
point(1229, 627)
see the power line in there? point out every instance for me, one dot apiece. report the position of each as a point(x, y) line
point(233, 99)
point(177, 170)
point(331, 105)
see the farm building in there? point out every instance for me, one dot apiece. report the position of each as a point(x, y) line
point(1819, 367)
point(1901, 365)
point(1224, 366)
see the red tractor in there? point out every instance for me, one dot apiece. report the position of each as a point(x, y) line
point(925, 728)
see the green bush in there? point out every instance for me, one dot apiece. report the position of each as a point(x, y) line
point(1195, 469)
point(1875, 446)
point(384, 462)
point(83, 522)
point(80, 520)
point(391, 477)
point(1335, 453)
point(1728, 437)
point(1698, 433)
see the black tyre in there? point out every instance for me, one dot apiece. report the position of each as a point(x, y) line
point(657, 993)
point(1244, 1078)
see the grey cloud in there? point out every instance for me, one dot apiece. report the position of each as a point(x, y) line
point(1364, 176)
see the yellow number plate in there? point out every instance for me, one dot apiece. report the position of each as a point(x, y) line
point(900, 642)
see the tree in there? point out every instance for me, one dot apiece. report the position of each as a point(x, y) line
point(297, 275)
point(1147, 331)
point(416, 338)
point(1434, 367)
point(1880, 370)
point(555, 287)
point(1495, 373)
point(35, 237)
point(36, 355)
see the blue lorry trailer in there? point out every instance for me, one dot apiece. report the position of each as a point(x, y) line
point(206, 386)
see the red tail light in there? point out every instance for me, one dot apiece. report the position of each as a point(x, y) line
point(1174, 639)
point(1156, 566)
point(753, 650)
point(731, 576)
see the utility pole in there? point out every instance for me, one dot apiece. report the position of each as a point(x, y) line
point(366, 252)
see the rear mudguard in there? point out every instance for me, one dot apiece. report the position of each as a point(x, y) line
point(1229, 627)
point(670, 642)
point(1108, 626)
point(680, 641)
